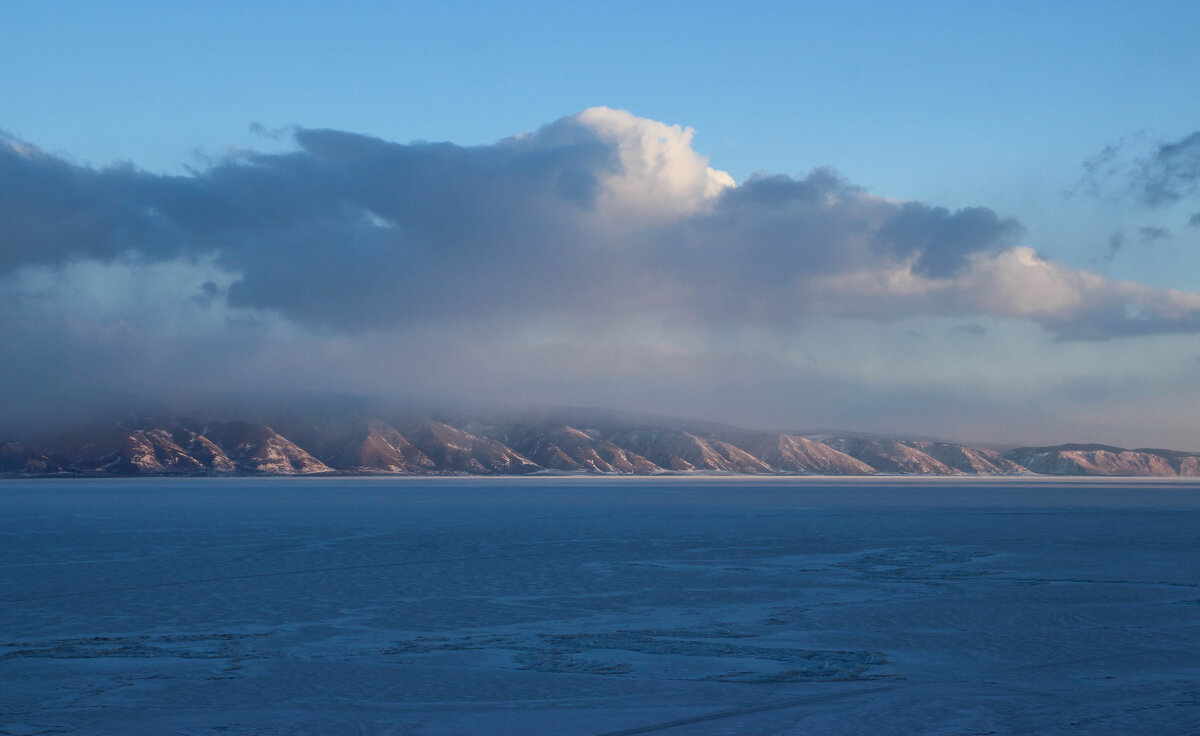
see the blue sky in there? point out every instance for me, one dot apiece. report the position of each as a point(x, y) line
point(954, 105)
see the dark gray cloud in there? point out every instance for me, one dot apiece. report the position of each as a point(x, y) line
point(1116, 242)
point(974, 330)
point(345, 231)
point(1172, 172)
point(943, 241)
point(1152, 174)
point(52, 210)
point(1146, 235)
point(1151, 234)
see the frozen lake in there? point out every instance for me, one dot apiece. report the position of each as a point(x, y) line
point(599, 606)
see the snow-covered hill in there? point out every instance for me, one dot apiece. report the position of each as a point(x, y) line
point(361, 443)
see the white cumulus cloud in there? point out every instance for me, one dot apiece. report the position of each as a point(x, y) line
point(660, 174)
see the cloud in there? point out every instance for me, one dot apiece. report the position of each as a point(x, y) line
point(1073, 305)
point(354, 259)
point(658, 174)
point(974, 330)
point(1116, 242)
point(1194, 220)
point(1151, 234)
point(943, 241)
point(1172, 172)
point(601, 215)
point(1146, 235)
point(1154, 174)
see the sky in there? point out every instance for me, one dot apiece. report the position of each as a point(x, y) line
point(976, 221)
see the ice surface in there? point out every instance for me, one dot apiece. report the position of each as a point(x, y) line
point(599, 606)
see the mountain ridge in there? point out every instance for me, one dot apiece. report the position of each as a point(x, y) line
point(550, 442)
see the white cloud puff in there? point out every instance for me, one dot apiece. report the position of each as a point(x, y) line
point(660, 174)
